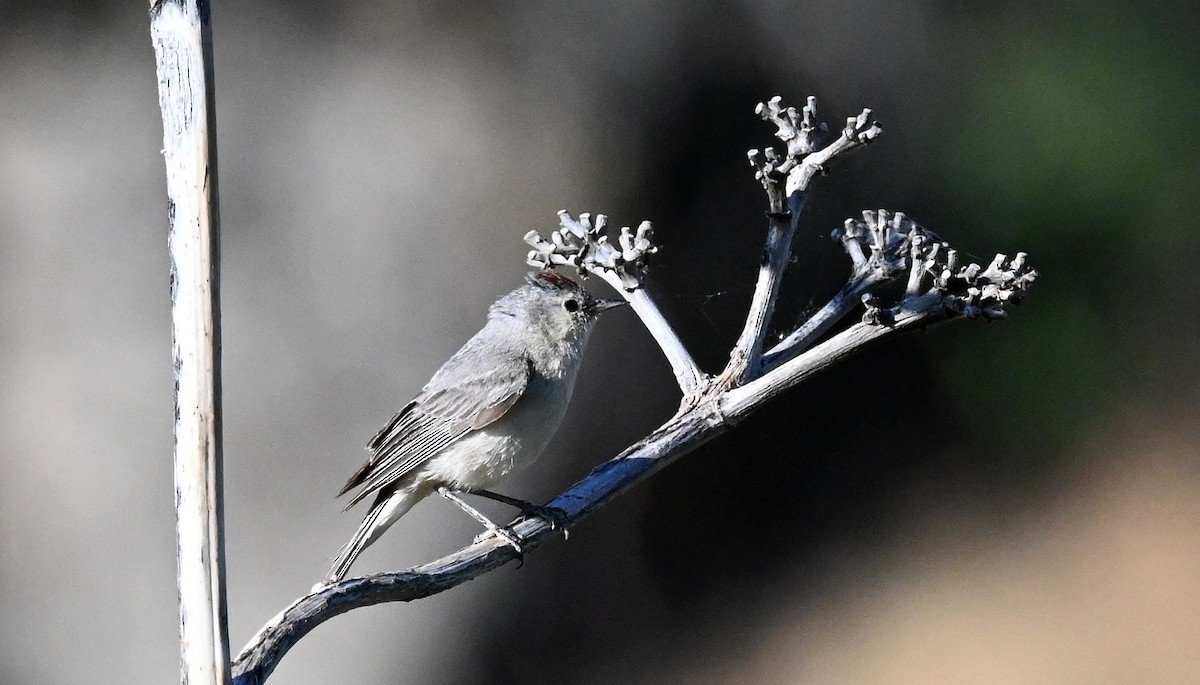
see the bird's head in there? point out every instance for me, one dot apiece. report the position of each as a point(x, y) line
point(555, 306)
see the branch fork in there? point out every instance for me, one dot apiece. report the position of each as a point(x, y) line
point(883, 247)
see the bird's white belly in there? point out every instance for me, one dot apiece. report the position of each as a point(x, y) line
point(484, 457)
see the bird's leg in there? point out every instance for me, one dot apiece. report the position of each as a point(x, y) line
point(506, 535)
point(557, 518)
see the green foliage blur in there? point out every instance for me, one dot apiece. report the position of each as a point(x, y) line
point(1077, 140)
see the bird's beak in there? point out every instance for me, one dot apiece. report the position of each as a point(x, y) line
point(602, 305)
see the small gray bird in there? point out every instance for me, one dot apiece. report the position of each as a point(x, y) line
point(489, 411)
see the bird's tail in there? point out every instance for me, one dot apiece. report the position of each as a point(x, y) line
point(390, 505)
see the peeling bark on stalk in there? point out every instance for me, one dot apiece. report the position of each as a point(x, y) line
point(182, 39)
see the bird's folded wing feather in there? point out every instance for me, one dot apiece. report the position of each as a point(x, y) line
point(446, 410)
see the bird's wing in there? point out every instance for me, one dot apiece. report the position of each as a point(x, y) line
point(446, 409)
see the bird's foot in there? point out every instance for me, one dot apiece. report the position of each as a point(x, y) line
point(509, 538)
point(557, 518)
point(507, 535)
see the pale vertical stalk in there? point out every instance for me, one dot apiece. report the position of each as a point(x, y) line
point(182, 38)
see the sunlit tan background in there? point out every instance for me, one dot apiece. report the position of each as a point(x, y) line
point(1012, 503)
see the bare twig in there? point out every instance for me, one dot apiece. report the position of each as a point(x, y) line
point(182, 39)
point(745, 359)
point(799, 131)
point(858, 130)
point(970, 292)
point(878, 247)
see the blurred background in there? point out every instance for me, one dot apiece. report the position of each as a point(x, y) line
point(1011, 503)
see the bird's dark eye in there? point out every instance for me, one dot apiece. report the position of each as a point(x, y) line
point(571, 305)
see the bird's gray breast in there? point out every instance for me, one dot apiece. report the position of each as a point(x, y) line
point(487, 455)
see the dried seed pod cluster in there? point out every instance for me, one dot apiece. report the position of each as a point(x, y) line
point(973, 291)
point(882, 246)
point(802, 132)
point(585, 245)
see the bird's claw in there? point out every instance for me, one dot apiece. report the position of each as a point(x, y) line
point(556, 517)
point(509, 539)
